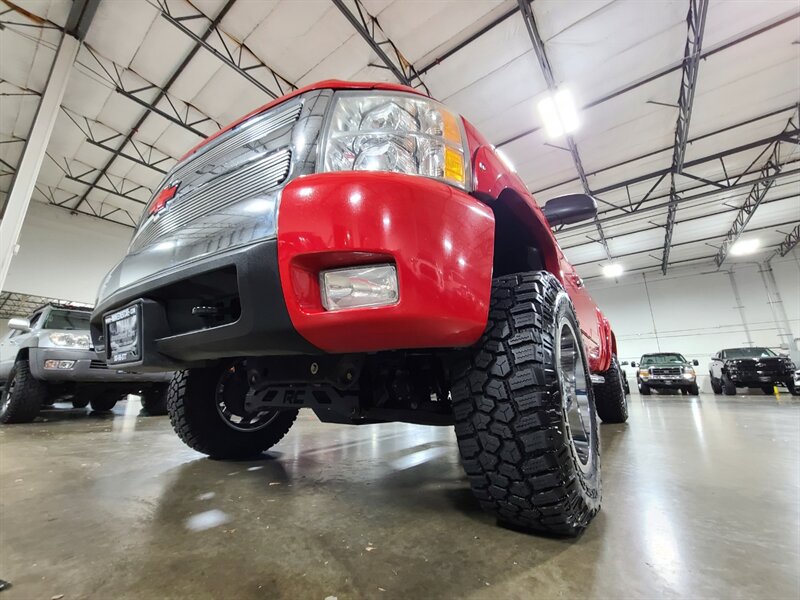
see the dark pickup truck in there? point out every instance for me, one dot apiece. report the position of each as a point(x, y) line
point(666, 371)
point(753, 368)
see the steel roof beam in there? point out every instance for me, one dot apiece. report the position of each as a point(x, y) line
point(145, 154)
point(789, 242)
point(758, 192)
point(667, 70)
point(695, 24)
point(49, 194)
point(237, 56)
point(162, 94)
point(547, 72)
point(371, 31)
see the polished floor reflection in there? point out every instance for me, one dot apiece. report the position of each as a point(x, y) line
point(700, 501)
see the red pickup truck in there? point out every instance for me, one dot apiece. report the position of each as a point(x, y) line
point(360, 250)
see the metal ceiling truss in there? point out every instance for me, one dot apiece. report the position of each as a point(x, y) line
point(142, 154)
point(547, 72)
point(235, 55)
point(654, 225)
point(14, 304)
point(695, 23)
point(60, 198)
point(133, 86)
point(789, 242)
point(80, 172)
point(758, 192)
point(370, 29)
point(667, 70)
point(151, 106)
point(686, 243)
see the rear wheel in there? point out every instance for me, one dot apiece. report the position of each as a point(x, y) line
point(80, 402)
point(525, 414)
point(22, 395)
point(728, 387)
point(105, 401)
point(612, 405)
point(154, 400)
point(206, 409)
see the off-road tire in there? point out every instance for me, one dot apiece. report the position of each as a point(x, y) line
point(511, 426)
point(609, 397)
point(154, 400)
point(26, 397)
point(693, 390)
point(194, 417)
point(644, 389)
point(716, 385)
point(792, 388)
point(728, 387)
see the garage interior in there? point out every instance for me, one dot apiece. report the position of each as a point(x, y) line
point(688, 117)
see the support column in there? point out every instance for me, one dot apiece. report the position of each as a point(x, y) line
point(740, 307)
point(33, 155)
point(778, 310)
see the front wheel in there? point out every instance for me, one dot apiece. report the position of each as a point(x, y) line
point(22, 395)
point(612, 405)
point(524, 408)
point(644, 389)
point(728, 387)
point(716, 385)
point(768, 390)
point(693, 390)
point(792, 388)
point(206, 409)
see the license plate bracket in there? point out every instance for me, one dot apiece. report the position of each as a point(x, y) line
point(123, 334)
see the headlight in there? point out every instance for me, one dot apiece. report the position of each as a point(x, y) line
point(644, 373)
point(395, 132)
point(688, 373)
point(70, 340)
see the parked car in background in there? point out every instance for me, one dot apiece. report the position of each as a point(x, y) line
point(408, 275)
point(666, 371)
point(50, 356)
point(756, 367)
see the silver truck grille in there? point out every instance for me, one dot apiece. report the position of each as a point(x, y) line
point(239, 165)
point(666, 370)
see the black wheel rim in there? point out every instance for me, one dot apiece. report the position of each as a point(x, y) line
point(574, 383)
point(229, 400)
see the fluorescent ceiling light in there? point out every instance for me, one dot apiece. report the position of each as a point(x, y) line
point(613, 270)
point(747, 246)
point(558, 113)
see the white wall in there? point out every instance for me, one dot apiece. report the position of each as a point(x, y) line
point(64, 256)
point(694, 311)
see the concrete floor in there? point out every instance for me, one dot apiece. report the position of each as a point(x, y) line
point(700, 501)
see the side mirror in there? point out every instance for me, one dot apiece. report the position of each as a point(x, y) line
point(572, 208)
point(696, 362)
point(633, 363)
point(19, 324)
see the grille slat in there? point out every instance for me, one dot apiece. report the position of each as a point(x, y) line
point(259, 164)
point(214, 196)
point(666, 370)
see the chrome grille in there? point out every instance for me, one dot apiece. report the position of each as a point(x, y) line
point(241, 164)
point(666, 370)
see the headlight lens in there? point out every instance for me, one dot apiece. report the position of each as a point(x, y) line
point(644, 373)
point(399, 133)
point(70, 340)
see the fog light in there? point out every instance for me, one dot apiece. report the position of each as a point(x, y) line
point(355, 287)
point(59, 364)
